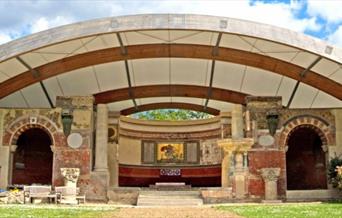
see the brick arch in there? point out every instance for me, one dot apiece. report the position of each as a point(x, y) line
point(20, 125)
point(320, 126)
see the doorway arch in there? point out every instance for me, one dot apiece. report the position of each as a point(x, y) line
point(33, 158)
point(305, 159)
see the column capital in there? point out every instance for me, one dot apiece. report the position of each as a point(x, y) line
point(270, 174)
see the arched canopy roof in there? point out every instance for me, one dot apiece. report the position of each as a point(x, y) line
point(178, 60)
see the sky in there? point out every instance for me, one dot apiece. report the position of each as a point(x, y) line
point(318, 18)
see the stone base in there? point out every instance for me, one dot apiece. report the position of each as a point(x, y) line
point(124, 195)
point(216, 195)
point(271, 201)
point(313, 195)
point(97, 189)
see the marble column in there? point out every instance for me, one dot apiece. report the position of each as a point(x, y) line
point(101, 147)
point(270, 176)
point(237, 122)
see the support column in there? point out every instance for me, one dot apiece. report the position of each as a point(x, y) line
point(101, 162)
point(225, 165)
point(270, 176)
point(237, 122)
point(240, 176)
point(100, 176)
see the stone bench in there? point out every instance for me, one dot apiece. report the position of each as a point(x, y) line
point(39, 192)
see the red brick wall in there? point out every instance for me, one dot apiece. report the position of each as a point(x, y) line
point(266, 159)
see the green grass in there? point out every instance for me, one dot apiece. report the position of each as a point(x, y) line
point(47, 211)
point(312, 210)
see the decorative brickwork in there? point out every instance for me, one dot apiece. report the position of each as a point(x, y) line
point(23, 123)
point(325, 129)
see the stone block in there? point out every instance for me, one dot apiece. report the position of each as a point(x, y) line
point(98, 186)
point(216, 195)
point(123, 195)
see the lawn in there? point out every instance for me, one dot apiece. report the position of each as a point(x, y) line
point(46, 211)
point(293, 210)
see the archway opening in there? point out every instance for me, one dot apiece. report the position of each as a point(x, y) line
point(305, 160)
point(32, 160)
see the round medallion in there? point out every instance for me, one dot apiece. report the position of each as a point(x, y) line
point(266, 140)
point(75, 140)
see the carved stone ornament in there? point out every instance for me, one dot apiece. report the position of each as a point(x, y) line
point(70, 176)
point(270, 174)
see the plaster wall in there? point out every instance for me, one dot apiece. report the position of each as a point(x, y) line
point(4, 162)
point(338, 126)
point(113, 164)
point(129, 151)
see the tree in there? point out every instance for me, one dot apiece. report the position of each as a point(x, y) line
point(171, 114)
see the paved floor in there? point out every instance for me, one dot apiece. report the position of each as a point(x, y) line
point(171, 212)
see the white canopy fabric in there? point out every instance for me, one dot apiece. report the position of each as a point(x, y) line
point(25, 63)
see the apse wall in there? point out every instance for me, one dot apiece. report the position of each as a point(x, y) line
point(164, 151)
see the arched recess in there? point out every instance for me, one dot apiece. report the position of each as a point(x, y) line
point(305, 140)
point(32, 160)
point(25, 123)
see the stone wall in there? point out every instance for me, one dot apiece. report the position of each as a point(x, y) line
point(210, 152)
point(14, 122)
point(64, 154)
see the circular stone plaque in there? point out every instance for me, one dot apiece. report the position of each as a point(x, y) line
point(75, 140)
point(266, 140)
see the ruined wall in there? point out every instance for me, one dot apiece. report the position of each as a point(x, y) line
point(14, 122)
point(210, 152)
point(65, 155)
point(270, 151)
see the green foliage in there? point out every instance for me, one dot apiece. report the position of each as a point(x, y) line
point(171, 114)
point(312, 210)
point(334, 178)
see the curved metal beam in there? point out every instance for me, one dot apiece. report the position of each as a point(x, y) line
point(171, 50)
point(169, 90)
point(173, 105)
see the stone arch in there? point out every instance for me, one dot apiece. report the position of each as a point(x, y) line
point(320, 126)
point(23, 123)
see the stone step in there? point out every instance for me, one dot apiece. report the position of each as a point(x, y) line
point(170, 193)
point(169, 198)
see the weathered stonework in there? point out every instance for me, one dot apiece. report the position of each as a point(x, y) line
point(259, 159)
point(210, 152)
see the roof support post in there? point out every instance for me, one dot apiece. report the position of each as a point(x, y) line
point(36, 74)
point(302, 75)
point(124, 53)
point(215, 52)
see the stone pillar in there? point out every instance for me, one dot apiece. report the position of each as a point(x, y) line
point(270, 176)
point(100, 177)
point(237, 122)
point(225, 165)
point(101, 160)
point(240, 176)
